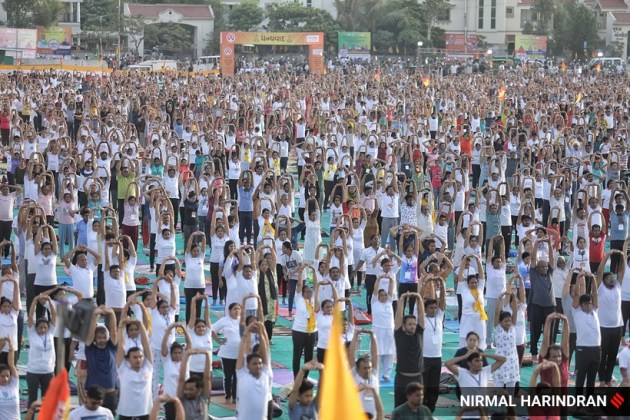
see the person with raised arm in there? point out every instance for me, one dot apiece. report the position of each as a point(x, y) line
point(408, 333)
point(253, 370)
point(434, 308)
point(194, 392)
point(588, 341)
point(135, 369)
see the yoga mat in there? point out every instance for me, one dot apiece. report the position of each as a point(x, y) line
point(452, 326)
point(282, 377)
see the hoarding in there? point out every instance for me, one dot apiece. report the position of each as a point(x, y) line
point(314, 40)
point(530, 46)
point(14, 40)
point(54, 41)
point(354, 44)
point(454, 43)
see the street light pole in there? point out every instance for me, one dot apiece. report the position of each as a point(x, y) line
point(120, 28)
point(100, 38)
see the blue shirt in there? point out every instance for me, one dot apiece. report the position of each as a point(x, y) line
point(619, 226)
point(81, 230)
point(245, 199)
point(101, 366)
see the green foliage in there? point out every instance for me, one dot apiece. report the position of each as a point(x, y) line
point(350, 14)
point(294, 17)
point(20, 12)
point(47, 13)
point(245, 16)
point(575, 24)
point(170, 37)
point(543, 12)
point(214, 41)
point(92, 10)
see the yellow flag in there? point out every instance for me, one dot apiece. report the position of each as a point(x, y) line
point(579, 98)
point(339, 393)
point(564, 67)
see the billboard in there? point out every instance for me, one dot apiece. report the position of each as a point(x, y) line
point(314, 40)
point(530, 46)
point(354, 44)
point(454, 43)
point(54, 41)
point(19, 39)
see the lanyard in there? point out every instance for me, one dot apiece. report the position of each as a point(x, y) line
point(44, 339)
point(433, 325)
point(478, 381)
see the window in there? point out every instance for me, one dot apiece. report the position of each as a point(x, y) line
point(493, 14)
point(309, 3)
point(509, 12)
point(445, 16)
point(480, 18)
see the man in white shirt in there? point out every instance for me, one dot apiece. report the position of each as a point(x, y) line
point(92, 409)
point(389, 209)
point(371, 270)
point(366, 370)
point(254, 375)
point(588, 351)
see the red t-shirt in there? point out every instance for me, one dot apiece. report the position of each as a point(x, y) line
point(547, 376)
point(596, 248)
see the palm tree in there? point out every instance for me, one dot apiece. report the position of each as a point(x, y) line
point(349, 13)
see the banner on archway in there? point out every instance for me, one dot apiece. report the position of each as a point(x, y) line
point(314, 40)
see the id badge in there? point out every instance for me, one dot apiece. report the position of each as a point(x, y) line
point(193, 214)
point(621, 227)
point(407, 275)
point(434, 339)
point(368, 396)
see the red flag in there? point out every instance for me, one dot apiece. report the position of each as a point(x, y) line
point(56, 403)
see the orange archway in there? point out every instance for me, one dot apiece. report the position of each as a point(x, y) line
point(314, 40)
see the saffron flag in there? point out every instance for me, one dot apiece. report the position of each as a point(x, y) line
point(426, 81)
point(579, 98)
point(56, 403)
point(598, 67)
point(377, 76)
point(564, 67)
point(339, 393)
point(501, 94)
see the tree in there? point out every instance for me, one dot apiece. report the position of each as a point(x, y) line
point(383, 41)
point(543, 12)
point(213, 43)
point(432, 11)
point(245, 16)
point(134, 28)
point(93, 10)
point(47, 13)
point(172, 38)
point(294, 17)
point(350, 13)
point(19, 12)
point(576, 25)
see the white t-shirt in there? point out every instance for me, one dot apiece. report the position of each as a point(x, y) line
point(230, 328)
point(8, 328)
point(41, 353)
point(324, 324)
point(587, 327)
point(115, 291)
point(197, 362)
point(495, 281)
point(165, 288)
point(135, 389)
point(469, 381)
point(165, 248)
point(82, 413)
point(195, 277)
point(83, 279)
point(300, 320)
point(10, 401)
point(171, 376)
point(45, 269)
point(159, 324)
point(252, 394)
point(433, 335)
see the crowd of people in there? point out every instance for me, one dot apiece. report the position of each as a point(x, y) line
point(169, 197)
